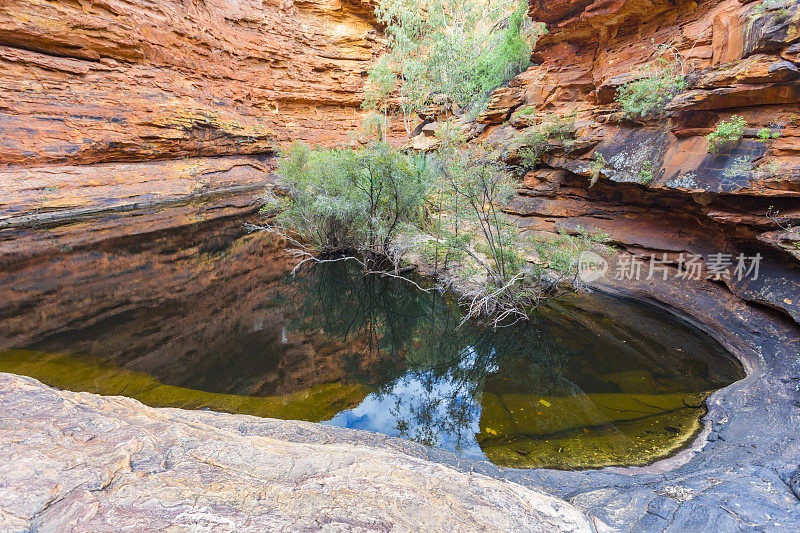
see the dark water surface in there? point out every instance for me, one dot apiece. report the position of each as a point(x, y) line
point(206, 317)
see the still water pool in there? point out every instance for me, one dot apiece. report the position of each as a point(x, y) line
point(207, 317)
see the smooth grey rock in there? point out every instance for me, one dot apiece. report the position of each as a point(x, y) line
point(81, 462)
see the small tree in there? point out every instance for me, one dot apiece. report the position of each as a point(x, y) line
point(661, 81)
point(727, 132)
point(380, 84)
point(453, 47)
point(344, 201)
point(492, 272)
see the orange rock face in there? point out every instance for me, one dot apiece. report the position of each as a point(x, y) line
point(104, 81)
point(106, 104)
point(658, 189)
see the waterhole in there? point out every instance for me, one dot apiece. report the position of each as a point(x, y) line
point(208, 317)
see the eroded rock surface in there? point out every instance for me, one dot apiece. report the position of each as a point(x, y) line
point(73, 461)
point(129, 80)
point(111, 105)
point(658, 188)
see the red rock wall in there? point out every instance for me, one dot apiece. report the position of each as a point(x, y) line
point(100, 81)
point(118, 104)
point(739, 58)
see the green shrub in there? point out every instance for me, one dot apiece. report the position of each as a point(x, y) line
point(460, 49)
point(646, 173)
point(597, 167)
point(377, 203)
point(351, 200)
point(505, 57)
point(728, 131)
point(562, 253)
point(532, 145)
point(765, 134)
point(740, 166)
point(648, 95)
point(440, 253)
point(536, 139)
point(373, 125)
point(780, 7)
point(474, 189)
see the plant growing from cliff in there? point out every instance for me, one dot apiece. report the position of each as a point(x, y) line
point(727, 132)
point(597, 167)
point(531, 146)
point(527, 111)
point(505, 56)
point(459, 48)
point(660, 82)
point(740, 166)
point(780, 7)
point(784, 223)
point(552, 131)
point(646, 173)
point(766, 134)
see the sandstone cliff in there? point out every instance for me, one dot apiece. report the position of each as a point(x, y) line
point(659, 190)
point(113, 105)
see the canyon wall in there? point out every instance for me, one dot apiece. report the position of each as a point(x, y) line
point(110, 105)
point(659, 192)
point(109, 109)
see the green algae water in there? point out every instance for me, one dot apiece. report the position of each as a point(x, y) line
point(208, 317)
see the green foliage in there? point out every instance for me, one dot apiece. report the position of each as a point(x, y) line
point(503, 58)
point(741, 165)
point(528, 158)
point(780, 7)
point(648, 95)
point(597, 167)
point(440, 253)
point(533, 143)
point(527, 111)
point(765, 134)
point(646, 172)
point(473, 188)
point(380, 83)
point(562, 253)
point(727, 131)
point(448, 206)
point(451, 47)
point(373, 126)
point(348, 200)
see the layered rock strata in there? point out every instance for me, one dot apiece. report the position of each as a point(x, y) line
point(659, 190)
point(106, 106)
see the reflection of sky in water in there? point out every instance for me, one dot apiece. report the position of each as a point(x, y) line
point(425, 405)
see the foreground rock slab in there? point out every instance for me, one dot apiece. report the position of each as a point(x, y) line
point(81, 462)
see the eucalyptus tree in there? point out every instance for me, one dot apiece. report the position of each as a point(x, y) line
point(461, 49)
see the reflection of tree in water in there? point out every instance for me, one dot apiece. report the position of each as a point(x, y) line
point(408, 345)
